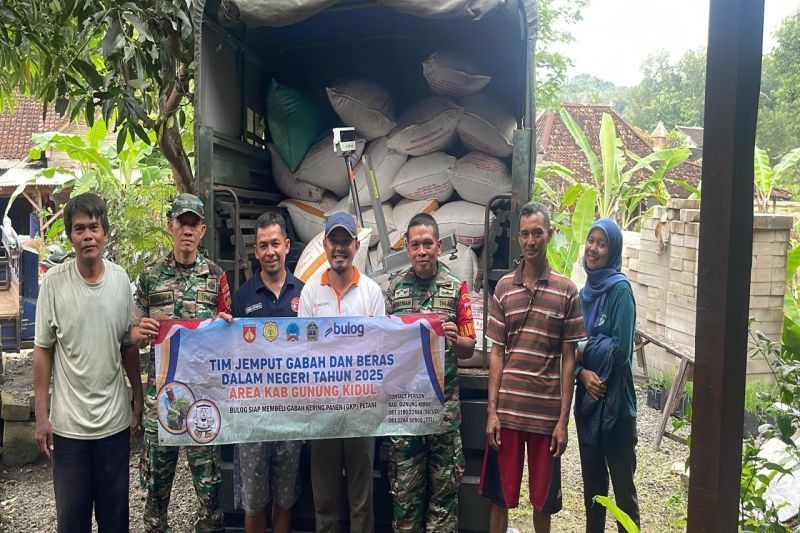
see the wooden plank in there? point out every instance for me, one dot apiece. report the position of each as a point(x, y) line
point(725, 255)
point(675, 393)
point(9, 303)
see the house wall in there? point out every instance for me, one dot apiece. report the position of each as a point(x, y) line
point(665, 283)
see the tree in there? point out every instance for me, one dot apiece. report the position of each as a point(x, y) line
point(551, 66)
point(673, 94)
point(778, 127)
point(768, 177)
point(129, 62)
point(588, 89)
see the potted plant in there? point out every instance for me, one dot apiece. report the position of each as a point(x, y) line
point(655, 390)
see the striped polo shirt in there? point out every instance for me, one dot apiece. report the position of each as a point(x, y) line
point(532, 325)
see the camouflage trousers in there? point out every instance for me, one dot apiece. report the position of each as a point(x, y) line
point(424, 475)
point(156, 472)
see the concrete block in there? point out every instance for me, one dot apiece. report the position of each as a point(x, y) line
point(677, 239)
point(677, 227)
point(686, 303)
point(683, 203)
point(658, 212)
point(693, 229)
point(681, 338)
point(676, 263)
point(778, 288)
point(653, 281)
point(633, 264)
point(19, 446)
point(14, 408)
point(762, 262)
point(687, 327)
point(682, 289)
point(690, 254)
point(690, 241)
point(772, 221)
point(633, 276)
point(759, 288)
point(690, 215)
point(763, 235)
point(687, 278)
point(654, 270)
point(652, 258)
point(765, 302)
point(690, 266)
point(770, 248)
point(767, 315)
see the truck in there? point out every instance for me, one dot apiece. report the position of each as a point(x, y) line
point(352, 38)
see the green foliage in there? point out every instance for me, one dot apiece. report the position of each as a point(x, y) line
point(618, 174)
point(551, 66)
point(767, 177)
point(791, 311)
point(136, 186)
point(130, 61)
point(673, 94)
point(621, 516)
point(588, 89)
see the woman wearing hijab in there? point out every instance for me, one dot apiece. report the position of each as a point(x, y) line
point(605, 401)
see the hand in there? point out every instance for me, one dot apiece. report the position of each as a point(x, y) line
point(591, 382)
point(558, 442)
point(450, 332)
point(138, 430)
point(493, 430)
point(225, 316)
point(44, 435)
point(144, 333)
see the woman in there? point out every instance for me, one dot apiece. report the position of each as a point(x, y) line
point(605, 402)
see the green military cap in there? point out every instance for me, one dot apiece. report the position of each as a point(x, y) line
point(187, 203)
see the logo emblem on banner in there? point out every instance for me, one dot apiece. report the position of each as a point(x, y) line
point(249, 333)
point(270, 331)
point(293, 332)
point(312, 331)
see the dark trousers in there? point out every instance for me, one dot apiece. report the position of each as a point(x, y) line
point(91, 473)
point(616, 455)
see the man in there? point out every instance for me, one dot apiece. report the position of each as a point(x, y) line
point(184, 284)
point(427, 470)
point(341, 290)
point(82, 321)
point(265, 470)
point(534, 325)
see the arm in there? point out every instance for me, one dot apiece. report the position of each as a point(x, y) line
point(143, 328)
point(496, 363)
point(461, 334)
point(130, 361)
point(558, 443)
point(42, 370)
point(622, 316)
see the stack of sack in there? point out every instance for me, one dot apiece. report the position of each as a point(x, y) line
point(446, 154)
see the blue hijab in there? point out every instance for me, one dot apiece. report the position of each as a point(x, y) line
point(600, 282)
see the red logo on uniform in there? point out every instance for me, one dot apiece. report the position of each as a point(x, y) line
point(249, 333)
point(295, 304)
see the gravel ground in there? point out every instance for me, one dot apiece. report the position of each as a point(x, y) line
point(27, 503)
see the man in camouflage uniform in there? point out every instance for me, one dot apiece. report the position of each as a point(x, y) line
point(183, 285)
point(426, 470)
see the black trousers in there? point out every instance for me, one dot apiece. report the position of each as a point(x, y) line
point(91, 474)
point(616, 455)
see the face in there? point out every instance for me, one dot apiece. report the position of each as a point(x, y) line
point(271, 249)
point(423, 249)
point(341, 248)
point(596, 250)
point(533, 237)
point(88, 238)
point(187, 230)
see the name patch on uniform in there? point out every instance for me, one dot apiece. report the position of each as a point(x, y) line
point(205, 297)
point(401, 303)
point(160, 298)
point(444, 303)
point(255, 307)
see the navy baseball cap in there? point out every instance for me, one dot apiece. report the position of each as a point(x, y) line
point(340, 219)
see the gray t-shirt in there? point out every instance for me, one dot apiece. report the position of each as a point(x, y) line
point(87, 324)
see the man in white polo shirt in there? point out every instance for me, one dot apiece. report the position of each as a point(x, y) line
point(342, 290)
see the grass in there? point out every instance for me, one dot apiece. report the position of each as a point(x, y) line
point(662, 497)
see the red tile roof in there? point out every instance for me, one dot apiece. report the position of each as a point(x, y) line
point(555, 143)
point(17, 126)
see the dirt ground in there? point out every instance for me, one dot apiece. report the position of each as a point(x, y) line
point(27, 503)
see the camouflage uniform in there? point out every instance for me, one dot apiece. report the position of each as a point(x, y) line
point(426, 471)
point(167, 290)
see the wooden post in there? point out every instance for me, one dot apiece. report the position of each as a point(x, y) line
point(725, 256)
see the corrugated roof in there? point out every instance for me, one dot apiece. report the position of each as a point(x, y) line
point(695, 134)
point(16, 176)
point(555, 143)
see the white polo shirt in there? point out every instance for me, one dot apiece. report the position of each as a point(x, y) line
point(362, 298)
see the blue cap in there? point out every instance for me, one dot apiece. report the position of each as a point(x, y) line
point(340, 219)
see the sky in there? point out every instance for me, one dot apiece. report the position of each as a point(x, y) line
point(615, 36)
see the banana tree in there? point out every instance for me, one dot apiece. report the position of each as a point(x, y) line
point(620, 191)
point(767, 176)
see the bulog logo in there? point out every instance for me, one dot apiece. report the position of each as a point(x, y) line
point(346, 330)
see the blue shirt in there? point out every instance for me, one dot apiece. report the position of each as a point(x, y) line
point(254, 299)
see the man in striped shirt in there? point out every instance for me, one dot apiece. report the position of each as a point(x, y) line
point(534, 324)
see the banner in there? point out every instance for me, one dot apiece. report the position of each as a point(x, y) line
point(269, 379)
